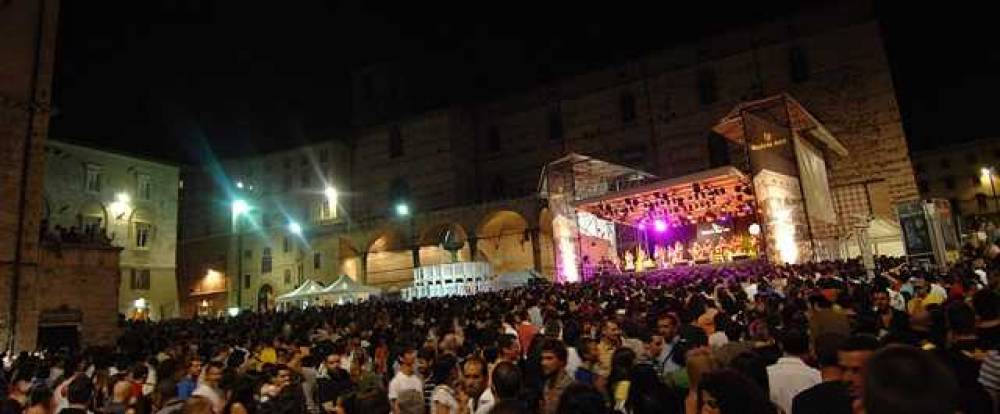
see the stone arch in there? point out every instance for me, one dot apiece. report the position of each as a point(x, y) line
point(504, 240)
point(389, 260)
point(547, 242)
point(265, 298)
point(436, 240)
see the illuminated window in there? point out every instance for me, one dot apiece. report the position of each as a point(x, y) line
point(317, 260)
point(288, 276)
point(286, 245)
point(143, 233)
point(246, 281)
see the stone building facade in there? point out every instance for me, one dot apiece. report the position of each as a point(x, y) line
point(474, 169)
point(27, 44)
point(135, 201)
point(968, 175)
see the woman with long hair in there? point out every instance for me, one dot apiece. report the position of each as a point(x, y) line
point(622, 362)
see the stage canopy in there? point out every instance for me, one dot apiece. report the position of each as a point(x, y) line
point(702, 197)
point(782, 106)
point(590, 176)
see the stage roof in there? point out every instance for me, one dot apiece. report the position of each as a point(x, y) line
point(700, 197)
point(590, 172)
point(731, 125)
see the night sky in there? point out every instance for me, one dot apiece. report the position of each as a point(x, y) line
point(172, 78)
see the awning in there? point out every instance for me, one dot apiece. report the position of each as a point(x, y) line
point(309, 288)
point(346, 285)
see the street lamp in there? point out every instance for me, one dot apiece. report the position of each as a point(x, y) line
point(240, 208)
point(295, 228)
point(403, 210)
point(989, 172)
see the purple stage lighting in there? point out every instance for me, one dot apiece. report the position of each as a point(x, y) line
point(660, 225)
point(642, 225)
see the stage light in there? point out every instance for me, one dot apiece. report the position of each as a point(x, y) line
point(754, 229)
point(660, 226)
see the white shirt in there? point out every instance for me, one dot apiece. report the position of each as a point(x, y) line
point(573, 361)
point(485, 403)
point(787, 378)
point(204, 390)
point(402, 382)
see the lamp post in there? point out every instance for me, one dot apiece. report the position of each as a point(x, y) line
point(240, 208)
point(990, 172)
point(403, 210)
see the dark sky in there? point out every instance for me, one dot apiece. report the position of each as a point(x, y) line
point(166, 77)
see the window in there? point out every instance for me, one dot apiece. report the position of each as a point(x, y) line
point(395, 143)
point(286, 245)
point(246, 281)
point(945, 163)
point(327, 209)
point(94, 178)
point(288, 276)
point(706, 87)
point(143, 232)
point(494, 145)
point(627, 104)
point(798, 66)
point(317, 260)
point(247, 254)
point(265, 260)
point(144, 187)
point(555, 126)
point(949, 182)
point(306, 179)
point(140, 279)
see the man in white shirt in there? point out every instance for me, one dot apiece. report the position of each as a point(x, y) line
point(790, 375)
point(406, 378)
point(474, 377)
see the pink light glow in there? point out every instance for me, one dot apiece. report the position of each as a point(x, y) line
point(660, 226)
point(642, 225)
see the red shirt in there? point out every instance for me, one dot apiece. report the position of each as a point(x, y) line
point(525, 333)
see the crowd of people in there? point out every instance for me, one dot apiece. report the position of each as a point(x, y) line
point(827, 337)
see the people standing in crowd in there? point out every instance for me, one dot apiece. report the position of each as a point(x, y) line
point(643, 341)
point(904, 379)
point(791, 375)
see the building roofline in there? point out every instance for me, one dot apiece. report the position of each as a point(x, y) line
point(115, 152)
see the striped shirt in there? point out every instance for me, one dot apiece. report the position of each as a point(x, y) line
point(989, 372)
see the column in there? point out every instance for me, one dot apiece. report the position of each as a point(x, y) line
point(473, 248)
point(363, 268)
point(416, 255)
point(536, 249)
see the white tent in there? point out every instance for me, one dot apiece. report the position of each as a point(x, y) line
point(885, 237)
point(306, 290)
point(345, 289)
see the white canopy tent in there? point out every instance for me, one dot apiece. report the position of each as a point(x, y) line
point(515, 279)
point(345, 289)
point(303, 293)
